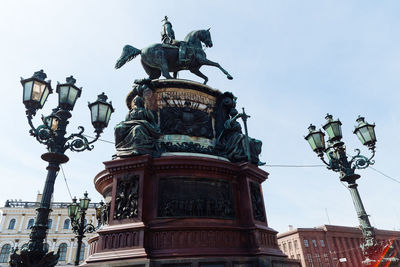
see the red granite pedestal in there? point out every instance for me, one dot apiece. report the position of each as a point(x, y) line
point(190, 210)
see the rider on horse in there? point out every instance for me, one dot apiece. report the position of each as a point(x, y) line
point(167, 35)
point(168, 40)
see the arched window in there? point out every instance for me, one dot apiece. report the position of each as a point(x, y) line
point(50, 223)
point(62, 250)
point(5, 252)
point(11, 225)
point(82, 252)
point(66, 224)
point(24, 246)
point(31, 222)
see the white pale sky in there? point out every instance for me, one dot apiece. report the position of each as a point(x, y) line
point(292, 62)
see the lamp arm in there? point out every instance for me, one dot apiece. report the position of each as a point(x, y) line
point(42, 133)
point(321, 156)
point(360, 161)
point(96, 138)
point(89, 228)
point(75, 225)
point(373, 154)
point(79, 142)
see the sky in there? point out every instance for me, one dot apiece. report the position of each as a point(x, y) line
point(292, 62)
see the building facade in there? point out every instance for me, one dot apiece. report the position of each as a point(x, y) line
point(330, 245)
point(17, 217)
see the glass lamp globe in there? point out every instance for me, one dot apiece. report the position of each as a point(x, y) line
point(68, 93)
point(333, 128)
point(73, 208)
point(84, 202)
point(35, 90)
point(315, 139)
point(101, 112)
point(365, 132)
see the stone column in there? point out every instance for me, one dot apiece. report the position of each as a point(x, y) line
point(53, 247)
point(16, 243)
point(87, 247)
point(70, 251)
point(58, 222)
point(21, 223)
point(3, 220)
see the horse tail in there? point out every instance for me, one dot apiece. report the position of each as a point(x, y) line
point(128, 53)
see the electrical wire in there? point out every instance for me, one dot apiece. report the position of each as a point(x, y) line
point(283, 165)
point(294, 166)
point(105, 141)
point(387, 176)
point(65, 179)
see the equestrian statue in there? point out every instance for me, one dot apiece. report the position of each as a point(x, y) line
point(172, 55)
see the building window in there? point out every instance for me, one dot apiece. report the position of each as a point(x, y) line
point(284, 247)
point(317, 257)
point(5, 253)
point(322, 243)
point(82, 253)
point(290, 246)
point(314, 242)
point(66, 224)
point(62, 250)
point(326, 257)
point(24, 246)
point(31, 222)
point(298, 256)
point(50, 223)
point(11, 225)
point(296, 246)
point(309, 258)
point(306, 243)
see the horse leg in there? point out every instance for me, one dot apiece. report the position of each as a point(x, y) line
point(164, 68)
point(200, 74)
point(175, 74)
point(215, 64)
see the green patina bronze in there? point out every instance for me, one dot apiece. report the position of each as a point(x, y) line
point(137, 135)
point(172, 55)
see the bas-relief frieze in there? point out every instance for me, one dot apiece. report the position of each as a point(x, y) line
point(201, 100)
point(257, 202)
point(185, 197)
point(127, 197)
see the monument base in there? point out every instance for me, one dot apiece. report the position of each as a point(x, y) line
point(184, 210)
point(259, 261)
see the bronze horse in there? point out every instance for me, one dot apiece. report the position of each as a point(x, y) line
point(160, 59)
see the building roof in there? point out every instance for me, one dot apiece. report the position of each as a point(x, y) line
point(337, 228)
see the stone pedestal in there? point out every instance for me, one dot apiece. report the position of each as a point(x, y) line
point(192, 208)
point(196, 201)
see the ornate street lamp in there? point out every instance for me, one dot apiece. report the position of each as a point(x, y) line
point(338, 161)
point(77, 213)
point(52, 134)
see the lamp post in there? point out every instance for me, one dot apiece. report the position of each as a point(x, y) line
point(337, 160)
point(77, 213)
point(52, 134)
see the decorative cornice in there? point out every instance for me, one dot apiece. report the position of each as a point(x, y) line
point(176, 162)
point(181, 83)
point(102, 180)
